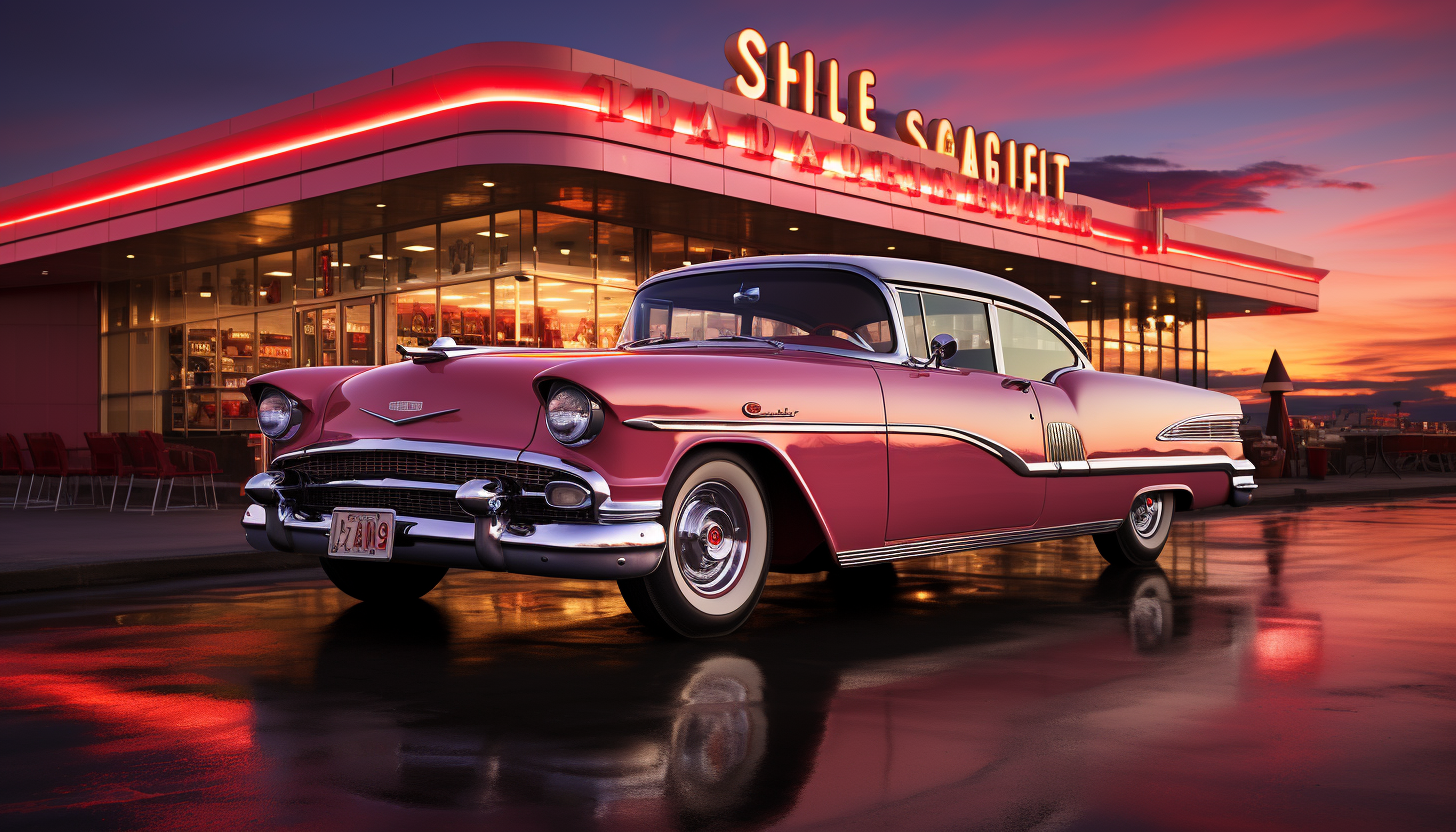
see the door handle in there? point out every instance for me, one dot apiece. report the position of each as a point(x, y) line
point(1020, 384)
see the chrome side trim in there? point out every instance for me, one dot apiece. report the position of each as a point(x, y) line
point(754, 426)
point(1210, 427)
point(1136, 463)
point(994, 448)
point(624, 511)
point(960, 543)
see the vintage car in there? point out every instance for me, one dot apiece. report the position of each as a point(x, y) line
point(792, 413)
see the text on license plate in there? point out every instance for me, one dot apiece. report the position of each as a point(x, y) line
point(357, 533)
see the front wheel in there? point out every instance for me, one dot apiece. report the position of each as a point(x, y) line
point(382, 582)
point(1142, 536)
point(717, 554)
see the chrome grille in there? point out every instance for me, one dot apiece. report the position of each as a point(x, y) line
point(1221, 427)
point(457, 470)
point(1064, 443)
point(424, 502)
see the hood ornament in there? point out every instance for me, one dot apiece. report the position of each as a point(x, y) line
point(407, 407)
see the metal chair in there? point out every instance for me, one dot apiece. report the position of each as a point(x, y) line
point(108, 459)
point(49, 457)
point(197, 464)
point(14, 464)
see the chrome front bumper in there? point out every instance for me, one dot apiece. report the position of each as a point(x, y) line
point(609, 551)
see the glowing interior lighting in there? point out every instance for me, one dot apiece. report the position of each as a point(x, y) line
point(1055, 297)
point(555, 300)
point(582, 291)
point(565, 251)
point(376, 257)
point(278, 274)
point(1094, 283)
point(419, 248)
point(793, 228)
point(263, 293)
point(549, 283)
point(488, 184)
point(687, 262)
point(1084, 300)
point(889, 248)
point(131, 257)
point(1009, 268)
point(452, 297)
point(1248, 311)
point(206, 294)
point(379, 205)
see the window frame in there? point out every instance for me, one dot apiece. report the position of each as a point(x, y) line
point(1071, 342)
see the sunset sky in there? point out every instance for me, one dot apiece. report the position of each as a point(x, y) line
point(1328, 128)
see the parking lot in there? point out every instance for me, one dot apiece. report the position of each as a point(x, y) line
point(1284, 669)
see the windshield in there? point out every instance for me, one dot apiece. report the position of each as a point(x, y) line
point(806, 307)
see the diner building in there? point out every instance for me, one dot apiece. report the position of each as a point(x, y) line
point(516, 194)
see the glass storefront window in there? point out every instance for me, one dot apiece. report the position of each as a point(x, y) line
point(412, 256)
point(116, 415)
point(236, 411)
point(142, 312)
point(176, 357)
point(616, 253)
point(170, 297)
point(201, 354)
point(1111, 357)
point(513, 241)
point(413, 319)
point(143, 412)
point(275, 278)
point(201, 292)
point(143, 361)
point(318, 336)
point(612, 306)
point(465, 247)
point(361, 267)
point(315, 271)
point(201, 410)
point(236, 352)
point(515, 304)
point(117, 362)
point(707, 251)
point(669, 251)
point(465, 313)
point(359, 334)
point(567, 314)
point(116, 306)
point(275, 340)
point(565, 245)
point(236, 287)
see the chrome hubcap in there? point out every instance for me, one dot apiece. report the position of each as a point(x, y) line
point(1146, 513)
point(712, 538)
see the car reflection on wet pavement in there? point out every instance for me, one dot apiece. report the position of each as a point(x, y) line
point(1282, 670)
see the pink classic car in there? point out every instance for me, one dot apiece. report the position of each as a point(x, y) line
point(794, 413)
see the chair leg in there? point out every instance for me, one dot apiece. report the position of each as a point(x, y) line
point(212, 484)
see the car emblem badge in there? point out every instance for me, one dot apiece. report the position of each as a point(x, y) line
point(411, 408)
point(754, 410)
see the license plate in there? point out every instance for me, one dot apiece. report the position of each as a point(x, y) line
point(357, 533)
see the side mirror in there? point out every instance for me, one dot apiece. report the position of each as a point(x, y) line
point(745, 297)
point(942, 347)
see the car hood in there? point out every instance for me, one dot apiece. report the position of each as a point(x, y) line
point(479, 400)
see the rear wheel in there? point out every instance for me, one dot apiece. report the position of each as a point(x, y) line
point(382, 582)
point(717, 554)
point(1142, 536)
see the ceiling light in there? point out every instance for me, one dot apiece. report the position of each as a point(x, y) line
point(499, 234)
point(1084, 300)
point(625, 258)
point(376, 257)
point(419, 248)
point(578, 311)
point(687, 262)
point(793, 228)
point(1055, 297)
point(1094, 283)
point(565, 251)
point(379, 205)
point(1008, 268)
point(889, 248)
point(582, 291)
point(205, 293)
point(131, 257)
point(488, 184)
point(1246, 312)
point(263, 293)
point(278, 274)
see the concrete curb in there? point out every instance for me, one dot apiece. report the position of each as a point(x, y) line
point(109, 573)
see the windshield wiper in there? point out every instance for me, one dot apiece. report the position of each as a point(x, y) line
point(779, 344)
point(647, 342)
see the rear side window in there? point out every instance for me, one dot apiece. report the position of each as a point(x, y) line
point(928, 315)
point(1030, 349)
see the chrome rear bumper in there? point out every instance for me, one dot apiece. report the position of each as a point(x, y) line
point(603, 551)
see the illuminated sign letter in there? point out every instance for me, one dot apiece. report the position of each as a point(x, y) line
point(658, 110)
point(761, 138)
point(966, 151)
point(829, 92)
point(908, 124)
point(1029, 153)
point(617, 95)
point(1009, 163)
point(850, 161)
point(781, 74)
point(990, 147)
point(706, 126)
point(743, 51)
point(1041, 182)
point(803, 95)
point(860, 100)
point(805, 155)
point(1059, 178)
point(942, 136)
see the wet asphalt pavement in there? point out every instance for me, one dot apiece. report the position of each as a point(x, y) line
point(1283, 670)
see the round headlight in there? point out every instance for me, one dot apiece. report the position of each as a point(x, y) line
point(572, 416)
point(275, 414)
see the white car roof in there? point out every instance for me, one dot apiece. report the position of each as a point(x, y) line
point(894, 269)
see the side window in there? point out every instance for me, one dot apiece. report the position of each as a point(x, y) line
point(914, 325)
point(1030, 349)
point(966, 320)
